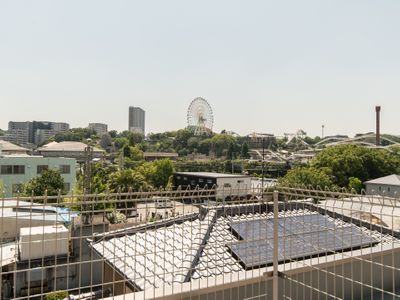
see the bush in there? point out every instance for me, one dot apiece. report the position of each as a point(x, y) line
point(58, 295)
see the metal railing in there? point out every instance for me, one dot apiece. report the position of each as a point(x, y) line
point(210, 243)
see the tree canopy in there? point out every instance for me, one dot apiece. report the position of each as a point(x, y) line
point(49, 180)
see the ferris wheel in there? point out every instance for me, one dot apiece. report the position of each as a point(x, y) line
point(200, 116)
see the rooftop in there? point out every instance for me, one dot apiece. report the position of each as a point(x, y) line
point(7, 146)
point(224, 241)
point(34, 211)
point(386, 180)
point(211, 174)
point(66, 146)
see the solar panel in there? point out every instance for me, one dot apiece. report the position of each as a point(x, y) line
point(299, 237)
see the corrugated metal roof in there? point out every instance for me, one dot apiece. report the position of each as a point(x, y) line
point(386, 180)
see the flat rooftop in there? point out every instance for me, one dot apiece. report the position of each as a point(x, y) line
point(211, 175)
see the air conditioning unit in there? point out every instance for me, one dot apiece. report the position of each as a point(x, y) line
point(43, 241)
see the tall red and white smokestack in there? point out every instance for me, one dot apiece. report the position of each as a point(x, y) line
point(378, 125)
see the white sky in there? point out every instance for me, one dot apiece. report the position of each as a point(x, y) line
point(265, 66)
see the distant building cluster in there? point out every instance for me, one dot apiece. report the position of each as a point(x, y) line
point(33, 132)
point(100, 128)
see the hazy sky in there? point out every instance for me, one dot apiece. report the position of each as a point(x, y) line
point(265, 66)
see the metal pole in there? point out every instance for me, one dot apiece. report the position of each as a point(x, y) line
point(262, 168)
point(275, 273)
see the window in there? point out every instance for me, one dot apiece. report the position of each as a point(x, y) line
point(5, 170)
point(67, 187)
point(65, 169)
point(209, 181)
point(41, 168)
point(380, 188)
point(193, 182)
point(227, 185)
point(185, 178)
point(178, 177)
point(17, 188)
point(201, 180)
point(19, 169)
point(388, 188)
point(240, 181)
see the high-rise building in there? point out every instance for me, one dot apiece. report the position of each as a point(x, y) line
point(100, 128)
point(35, 132)
point(136, 119)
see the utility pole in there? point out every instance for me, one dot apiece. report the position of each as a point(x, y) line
point(86, 215)
point(323, 127)
point(378, 125)
point(262, 167)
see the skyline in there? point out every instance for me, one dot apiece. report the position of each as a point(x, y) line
point(266, 67)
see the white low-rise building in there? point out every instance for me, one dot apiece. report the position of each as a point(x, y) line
point(386, 186)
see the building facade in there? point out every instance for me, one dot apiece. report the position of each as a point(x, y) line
point(136, 120)
point(35, 132)
point(100, 128)
point(385, 186)
point(228, 186)
point(15, 171)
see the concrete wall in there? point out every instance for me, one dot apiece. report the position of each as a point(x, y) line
point(381, 189)
point(233, 186)
point(10, 226)
point(351, 280)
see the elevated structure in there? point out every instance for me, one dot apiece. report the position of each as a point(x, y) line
point(378, 125)
point(136, 120)
point(200, 116)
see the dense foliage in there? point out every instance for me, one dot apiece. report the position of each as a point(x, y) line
point(308, 177)
point(346, 166)
point(58, 295)
point(49, 181)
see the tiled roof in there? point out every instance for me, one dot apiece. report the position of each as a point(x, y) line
point(155, 258)
point(198, 248)
point(7, 146)
point(66, 146)
point(387, 180)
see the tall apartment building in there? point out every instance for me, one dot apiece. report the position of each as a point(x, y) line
point(35, 132)
point(136, 119)
point(99, 128)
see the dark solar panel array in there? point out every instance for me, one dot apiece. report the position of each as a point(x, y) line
point(299, 237)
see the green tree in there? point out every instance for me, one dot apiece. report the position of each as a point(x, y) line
point(135, 138)
point(75, 134)
point(307, 176)
point(106, 142)
point(163, 170)
point(355, 184)
point(244, 152)
point(345, 161)
point(124, 180)
point(49, 180)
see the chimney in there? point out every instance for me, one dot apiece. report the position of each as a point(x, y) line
point(378, 125)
